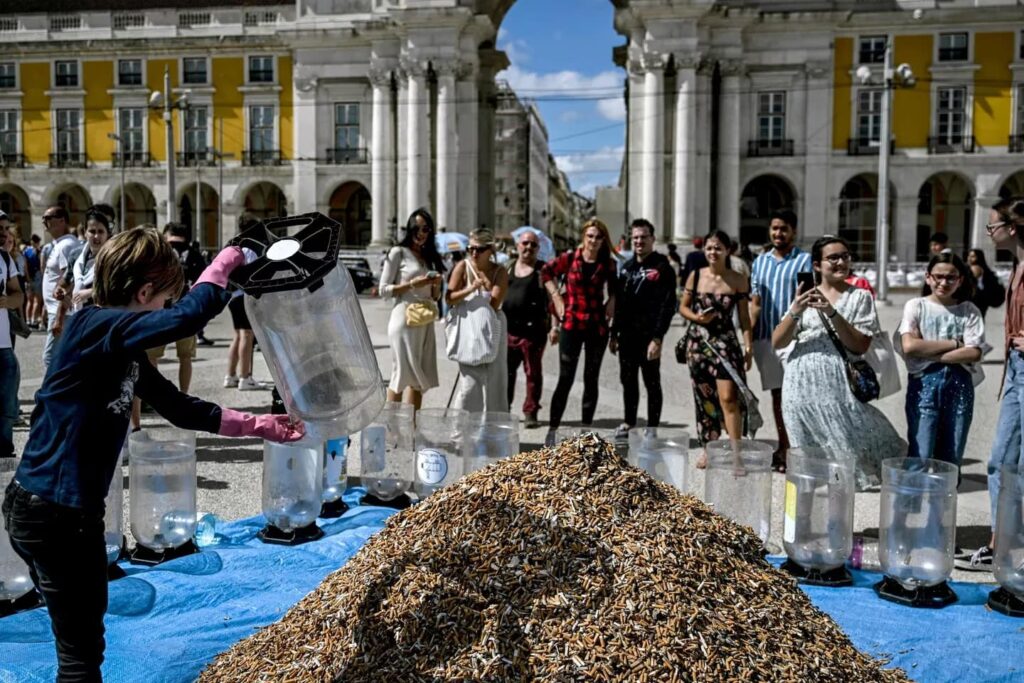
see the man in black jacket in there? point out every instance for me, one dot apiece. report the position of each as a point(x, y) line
point(643, 312)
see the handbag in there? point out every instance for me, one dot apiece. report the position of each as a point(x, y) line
point(420, 313)
point(17, 323)
point(881, 356)
point(859, 374)
point(473, 330)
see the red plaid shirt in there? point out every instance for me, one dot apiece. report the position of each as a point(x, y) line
point(584, 296)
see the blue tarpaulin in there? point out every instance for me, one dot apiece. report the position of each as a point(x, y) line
point(166, 622)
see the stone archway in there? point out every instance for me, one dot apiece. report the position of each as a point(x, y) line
point(944, 204)
point(350, 205)
point(761, 197)
point(139, 205)
point(205, 229)
point(858, 213)
point(15, 203)
point(75, 200)
point(265, 200)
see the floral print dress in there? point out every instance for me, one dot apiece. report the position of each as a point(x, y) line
point(705, 366)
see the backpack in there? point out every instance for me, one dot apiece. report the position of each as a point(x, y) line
point(995, 293)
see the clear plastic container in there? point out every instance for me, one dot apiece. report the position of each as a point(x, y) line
point(334, 478)
point(162, 481)
point(818, 522)
point(306, 316)
point(663, 453)
point(440, 448)
point(292, 481)
point(113, 522)
point(738, 483)
point(917, 521)
point(1008, 561)
point(387, 452)
point(492, 436)
point(14, 577)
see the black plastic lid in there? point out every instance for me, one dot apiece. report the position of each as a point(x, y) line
point(288, 263)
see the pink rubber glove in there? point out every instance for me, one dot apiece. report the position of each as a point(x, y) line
point(217, 272)
point(277, 428)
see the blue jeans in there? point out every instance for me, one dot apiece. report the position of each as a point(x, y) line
point(1006, 446)
point(940, 406)
point(10, 379)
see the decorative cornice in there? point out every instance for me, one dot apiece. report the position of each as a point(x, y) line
point(732, 67)
point(818, 69)
point(379, 76)
point(409, 66)
point(446, 67)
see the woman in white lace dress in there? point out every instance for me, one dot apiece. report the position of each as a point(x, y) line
point(817, 404)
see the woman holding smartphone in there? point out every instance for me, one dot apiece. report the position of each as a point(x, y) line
point(818, 405)
point(713, 351)
point(412, 278)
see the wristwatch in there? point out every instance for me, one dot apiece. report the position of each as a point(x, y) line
point(794, 316)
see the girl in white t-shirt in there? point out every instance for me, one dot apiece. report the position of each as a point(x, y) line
point(943, 336)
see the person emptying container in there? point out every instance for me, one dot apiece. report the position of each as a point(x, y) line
point(53, 509)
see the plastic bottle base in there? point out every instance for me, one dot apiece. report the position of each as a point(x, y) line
point(399, 502)
point(1005, 602)
point(931, 597)
point(834, 578)
point(28, 601)
point(275, 536)
point(150, 557)
point(335, 508)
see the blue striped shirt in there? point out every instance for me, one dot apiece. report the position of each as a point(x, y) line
point(774, 281)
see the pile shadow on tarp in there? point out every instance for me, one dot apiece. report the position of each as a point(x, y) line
point(166, 623)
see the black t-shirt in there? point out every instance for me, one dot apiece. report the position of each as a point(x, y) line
point(526, 304)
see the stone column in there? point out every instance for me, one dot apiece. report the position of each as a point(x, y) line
point(466, 172)
point(304, 194)
point(817, 143)
point(903, 230)
point(417, 142)
point(635, 149)
point(730, 148)
point(979, 219)
point(653, 182)
point(401, 164)
point(380, 157)
point(447, 146)
point(685, 153)
point(491, 62)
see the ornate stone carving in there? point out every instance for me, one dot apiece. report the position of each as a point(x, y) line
point(689, 60)
point(732, 67)
point(446, 67)
point(306, 83)
point(379, 76)
point(410, 67)
point(818, 69)
point(652, 61)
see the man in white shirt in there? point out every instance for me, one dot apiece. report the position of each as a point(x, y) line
point(10, 377)
point(58, 263)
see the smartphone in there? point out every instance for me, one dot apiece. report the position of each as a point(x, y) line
point(804, 282)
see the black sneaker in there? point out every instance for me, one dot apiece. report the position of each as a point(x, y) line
point(203, 341)
point(531, 420)
point(979, 561)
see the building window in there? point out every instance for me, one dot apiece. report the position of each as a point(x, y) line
point(952, 115)
point(1020, 48)
point(65, 22)
point(129, 20)
point(771, 115)
point(131, 123)
point(953, 47)
point(190, 19)
point(261, 69)
point(346, 126)
point(129, 72)
point(195, 132)
point(66, 74)
point(260, 18)
point(872, 50)
point(8, 24)
point(869, 116)
point(68, 132)
point(8, 75)
point(194, 70)
point(261, 128)
point(8, 132)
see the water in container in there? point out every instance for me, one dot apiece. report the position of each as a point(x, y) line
point(738, 483)
point(310, 327)
point(492, 437)
point(440, 448)
point(662, 452)
point(292, 481)
point(818, 522)
point(387, 453)
point(1008, 559)
point(15, 581)
point(917, 521)
point(334, 467)
point(113, 534)
point(162, 481)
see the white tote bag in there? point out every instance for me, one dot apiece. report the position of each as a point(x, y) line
point(473, 330)
point(881, 356)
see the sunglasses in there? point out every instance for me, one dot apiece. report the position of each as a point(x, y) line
point(948, 279)
point(529, 245)
point(838, 258)
point(479, 250)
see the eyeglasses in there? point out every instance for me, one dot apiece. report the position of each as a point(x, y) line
point(992, 227)
point(948, 279)
point(529, 245)
point(479, 250)
point(423, 229)
point(838, 258)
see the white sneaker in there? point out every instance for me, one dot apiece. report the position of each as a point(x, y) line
point(249, 384)
point(230, 381)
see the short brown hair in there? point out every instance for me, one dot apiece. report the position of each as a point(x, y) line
point(131, 259)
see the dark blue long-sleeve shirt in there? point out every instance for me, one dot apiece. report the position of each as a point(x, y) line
point(84, 406)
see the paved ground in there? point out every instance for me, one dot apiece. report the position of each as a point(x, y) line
point(229, 470)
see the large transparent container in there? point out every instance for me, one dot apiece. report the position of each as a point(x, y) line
point(292, 481)
point(387, 452)
point(14, 577)
point(917, 521)
point(492, 437)
point(818, 523)
point(334, 467)
point(440, 448)
point(1008, 562)
point(738, 483)
point(306, 316)
point(162, 481)
point(663, 453)
point(113, 514)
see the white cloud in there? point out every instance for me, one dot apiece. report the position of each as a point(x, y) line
point(591, 169)
point(606, 85)
point(569, 116)
point(613, 109)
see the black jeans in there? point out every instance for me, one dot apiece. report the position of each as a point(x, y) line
point(570, 344)
point(67, 559)
point(633, 359)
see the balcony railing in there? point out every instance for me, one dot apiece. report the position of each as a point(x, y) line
point(264, 157)
point(67, 160)
point(12, 160)
point(770, 148)
point(951, 144)
point(1016, 143)
point(129, 159)
point(857, 147)
point(346, 155)
point(200, 158)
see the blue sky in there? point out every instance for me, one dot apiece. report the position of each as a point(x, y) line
point(561, 55)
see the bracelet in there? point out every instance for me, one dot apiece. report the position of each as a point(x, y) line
point(834, 314)
point(794, 316)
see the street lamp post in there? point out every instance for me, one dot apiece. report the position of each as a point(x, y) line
point(120, 142)
point(158, 100)
point(220, 156)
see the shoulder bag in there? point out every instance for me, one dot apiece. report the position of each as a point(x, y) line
point(18, 325)
point(860, 375)
point(472, 329)
point(420, 313)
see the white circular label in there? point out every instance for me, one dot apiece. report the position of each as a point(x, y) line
point(431, 466)
point(283, 249)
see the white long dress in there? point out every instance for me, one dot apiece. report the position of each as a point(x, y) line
point(413, 349)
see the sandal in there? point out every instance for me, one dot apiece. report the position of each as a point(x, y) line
point(779, 461)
